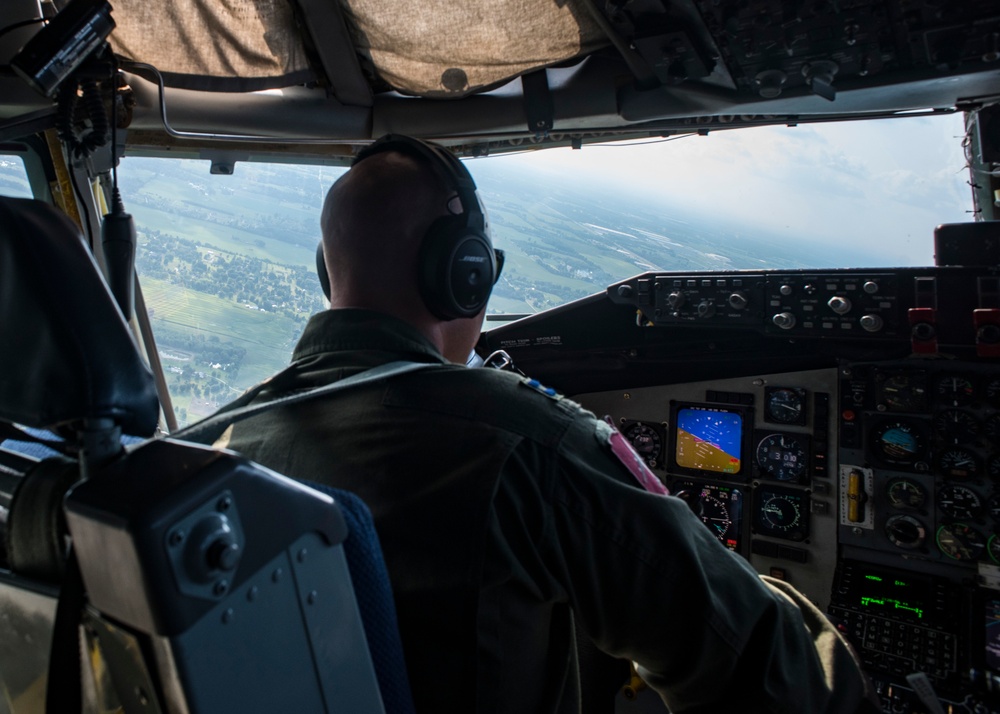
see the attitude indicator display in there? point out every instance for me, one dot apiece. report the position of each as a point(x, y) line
point(709, 440)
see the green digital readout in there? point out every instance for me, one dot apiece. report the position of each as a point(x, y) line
point(895, 604)
point(904, 596)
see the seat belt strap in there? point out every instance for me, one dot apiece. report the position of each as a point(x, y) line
point(208, 430)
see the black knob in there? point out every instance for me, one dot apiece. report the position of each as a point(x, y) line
point(223, 554)
point(923, 331)
point(625, 291)
point(988, 334)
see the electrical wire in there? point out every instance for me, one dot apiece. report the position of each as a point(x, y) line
point(23, 23)
point(645, 142)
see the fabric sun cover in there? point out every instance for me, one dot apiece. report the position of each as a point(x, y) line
point(432, 48)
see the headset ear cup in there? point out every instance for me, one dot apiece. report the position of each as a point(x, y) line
point(456, 269)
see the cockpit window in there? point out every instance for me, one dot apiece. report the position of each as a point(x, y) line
point(227, 262)
point(227, 269)
point(13, 177)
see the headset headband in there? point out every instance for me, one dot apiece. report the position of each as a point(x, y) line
point(457, 263)
point(444, 163)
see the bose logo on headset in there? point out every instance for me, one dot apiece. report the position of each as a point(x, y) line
point(457, 261)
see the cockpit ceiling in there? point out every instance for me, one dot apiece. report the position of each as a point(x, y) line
point(341, 72)
point(748, 50)
point(431, 48)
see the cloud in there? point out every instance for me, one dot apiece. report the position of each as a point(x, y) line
point(872, 191)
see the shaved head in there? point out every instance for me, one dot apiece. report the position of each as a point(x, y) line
point(373, 221)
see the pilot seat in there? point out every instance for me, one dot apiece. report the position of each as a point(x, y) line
point(162, 576)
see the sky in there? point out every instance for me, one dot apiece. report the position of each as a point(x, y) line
point(872, 191)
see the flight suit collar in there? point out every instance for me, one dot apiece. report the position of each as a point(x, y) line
point(355, 329)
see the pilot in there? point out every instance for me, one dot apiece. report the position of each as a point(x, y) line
point(508, 514)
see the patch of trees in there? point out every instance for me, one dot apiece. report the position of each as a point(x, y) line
point(291, 291)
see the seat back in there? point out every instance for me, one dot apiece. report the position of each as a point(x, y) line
point(213, 584)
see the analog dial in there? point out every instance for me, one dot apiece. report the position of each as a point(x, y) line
point(993, 467)
point(958, 463)
point(959, 502)
point(785, 405)
point(645, 439)
point(994, 505)
point(993, 391)
point(783, 456)
point(993, 547)
point(991, 428)
point(904, 493)
point(954, 389)
point(902, 392)
point(961, 542)
point(782, 514)
point(953, 426)
point(905, 532)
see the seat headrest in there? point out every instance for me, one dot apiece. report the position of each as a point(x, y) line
point(67, 353)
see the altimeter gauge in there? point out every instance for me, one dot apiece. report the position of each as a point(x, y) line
point(784, 457)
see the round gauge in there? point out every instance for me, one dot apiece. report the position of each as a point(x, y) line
point(785, 406)
point(905, 532)
point(783, 457)
point(993, 391)
point(782, 514)
point(646, 441)
point(993, 467)
point(898, 442)
point(960, 542)
point(715, 515)
point(959, 502)
point(904, 493)
point(954, 389)
point(903, 392)
point(958, 464)
point(994, 505)
point(993, 547)
point(954, 426)
point(992, 428)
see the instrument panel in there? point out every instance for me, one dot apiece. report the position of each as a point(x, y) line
point(751, 457)
point(873, 487)
point(839, 429)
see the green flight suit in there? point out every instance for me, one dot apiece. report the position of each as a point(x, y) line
point(503, 514)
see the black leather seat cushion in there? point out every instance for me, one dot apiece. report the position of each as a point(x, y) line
point(65, 350)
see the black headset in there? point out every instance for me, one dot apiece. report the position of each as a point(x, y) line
point(458, 264)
